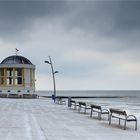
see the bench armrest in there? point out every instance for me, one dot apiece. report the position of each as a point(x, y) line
point(105, 110)
point(131, 117)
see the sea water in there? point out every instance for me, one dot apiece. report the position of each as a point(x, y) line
point(92, 93)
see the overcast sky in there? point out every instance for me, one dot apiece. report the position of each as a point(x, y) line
point(93, 44)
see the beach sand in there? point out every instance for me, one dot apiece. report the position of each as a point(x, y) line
point(42, 119)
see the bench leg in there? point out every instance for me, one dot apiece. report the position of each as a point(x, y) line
point(136, 125)
point(99, 116)
point(75, 106)
point(91, 113)
point(119, 121)
point(125, 125)
point(79, 108)
point(70, 106)
point(108, 116)
point(109, 119)
point(85, 109)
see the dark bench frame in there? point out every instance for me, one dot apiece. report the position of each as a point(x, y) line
point(60, 101)
point(73, 103)
point(122, 115)
point(98, 109)
point(83, 105)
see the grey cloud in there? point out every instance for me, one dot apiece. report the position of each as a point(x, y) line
point(107, 19)
point(102, 16)
point(16, 16)
point(127, 17)
point(29, 9)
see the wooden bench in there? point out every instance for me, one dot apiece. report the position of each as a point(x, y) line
point(99, 110)
point(83, 105)
point(74, 104)
point(60, 101)
point(122, 115)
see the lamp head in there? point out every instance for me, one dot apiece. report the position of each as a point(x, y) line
point(56, 72)
point(47, 62)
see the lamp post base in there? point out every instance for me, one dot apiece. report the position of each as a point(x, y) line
point(53, 97)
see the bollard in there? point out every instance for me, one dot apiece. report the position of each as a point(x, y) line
point(69, 101)
point(53, 97)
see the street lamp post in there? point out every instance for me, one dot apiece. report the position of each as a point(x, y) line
point(53, 73)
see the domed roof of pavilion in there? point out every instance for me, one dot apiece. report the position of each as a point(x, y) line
point(16, 59)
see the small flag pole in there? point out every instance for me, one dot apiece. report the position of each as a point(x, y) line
point(16, 50)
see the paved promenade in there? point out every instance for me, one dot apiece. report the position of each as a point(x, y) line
point(41, 119)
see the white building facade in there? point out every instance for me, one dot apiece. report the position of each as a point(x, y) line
point(17, 77)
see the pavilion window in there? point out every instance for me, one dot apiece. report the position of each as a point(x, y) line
point(9, 76)
point(18, 76)
point(2, 76)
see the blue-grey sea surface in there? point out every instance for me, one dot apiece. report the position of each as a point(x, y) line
point(92, 93)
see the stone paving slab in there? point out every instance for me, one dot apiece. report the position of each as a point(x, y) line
point(41, 119)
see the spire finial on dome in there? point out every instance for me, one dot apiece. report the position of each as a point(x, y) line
point(16, 51)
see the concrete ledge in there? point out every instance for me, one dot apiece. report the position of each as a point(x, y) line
point(3, 95)
point(12, 95)
point(15, 95)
